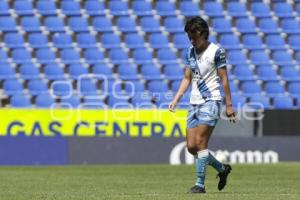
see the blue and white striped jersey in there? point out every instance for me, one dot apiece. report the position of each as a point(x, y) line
point(205, 80)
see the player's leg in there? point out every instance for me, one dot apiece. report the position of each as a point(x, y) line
point(197, 142)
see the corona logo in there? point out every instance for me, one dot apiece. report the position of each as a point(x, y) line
point(233, 157)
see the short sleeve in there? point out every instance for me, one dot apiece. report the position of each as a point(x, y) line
point(220, 58)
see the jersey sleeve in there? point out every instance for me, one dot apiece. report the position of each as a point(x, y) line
point(220, 58)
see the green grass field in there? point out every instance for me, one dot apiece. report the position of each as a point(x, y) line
point(130, 182)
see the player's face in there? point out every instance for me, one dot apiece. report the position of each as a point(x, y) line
point(197, 39)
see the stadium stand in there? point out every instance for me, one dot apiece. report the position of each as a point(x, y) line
point(144, 42)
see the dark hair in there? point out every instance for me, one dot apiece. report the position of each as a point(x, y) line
point(196, 24)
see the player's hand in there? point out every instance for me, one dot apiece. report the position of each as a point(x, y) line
point(172, 106)
point(230, 113)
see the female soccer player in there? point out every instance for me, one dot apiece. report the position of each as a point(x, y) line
point(205, 64)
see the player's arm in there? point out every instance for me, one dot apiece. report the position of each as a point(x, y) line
point(220, 61)
point(222, 73)
point(185, 82)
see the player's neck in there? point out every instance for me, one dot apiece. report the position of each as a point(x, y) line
point(202, 47)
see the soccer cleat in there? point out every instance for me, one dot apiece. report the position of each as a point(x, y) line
point(197, 189)
point(223, 176)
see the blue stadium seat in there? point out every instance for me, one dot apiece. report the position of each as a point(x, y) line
point(102, 24)
point(118, 56)
point(38, 40)
point(21, 56)
point(274, 88)
point(290, 26)
point(158, 40)
point(37, 86)
point(268, 26)
point(12, 86)
point(294, 89)
point(87, 87)
point(134, 40)
point(236, 57)
point(245, 25)
point(93, 103)
point(62, 88)
point(275, 42)
point(126, 24)
point(293, 41)
point(260, 10)
point(259, 57)
point(45, 56)
point(267, 73)
point(236, 9)
point(174, 25)
point(111, 87)
point(7, 72)
point(20, 101)
point(44, 101)
point(233, 87)
point(260, 102)
point(102, 70)
point(212, 38)
point(110, 40)
point(283, 10)
point(298, 57)
point(30, 24)
point(165, 8)
point(7, 24)
point(221, 25)
point(238, 101)
point(4, 8)
point(54, 24)
point(70, 102)
point(150, 72)
point(117, 101)
point(86, 40)
point(163, 100)
point(118, 8)
point(282, 57)
point(166, 56)
point(77, 70)
point(213, 9)
point(134, 86)
point(283, 102)
point(142, 56)
point(23, 8)
point(78, 24)
point(243, 73)
point(69, 56)
point(93, 56)
point(181, 41)
point(175, 85)
point(46, 8)
point(252, 42)
point(290, 74)
point(94, 8)
point(157, 86)
point(54, 72)
point(142, 101)
point(70, 8)
point(14, 40)
point(127, 72)
point(173, 72)
point(149, 24)
point(142, 8)
point(250, 88)
point(62, 40)
point(230, 41)
point(29, 71)
point(188, 8)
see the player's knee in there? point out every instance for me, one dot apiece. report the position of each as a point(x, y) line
point(192, 149)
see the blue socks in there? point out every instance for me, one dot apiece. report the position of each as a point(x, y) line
point(215, 163)
point(203, 158)
point(201, 162)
